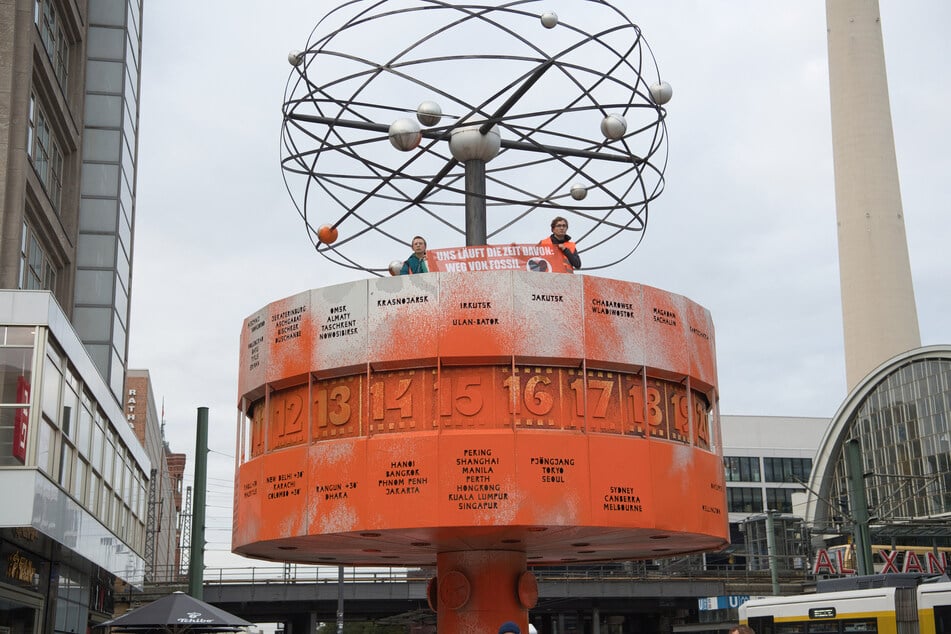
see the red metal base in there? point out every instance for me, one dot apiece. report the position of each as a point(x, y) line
point(479, 590)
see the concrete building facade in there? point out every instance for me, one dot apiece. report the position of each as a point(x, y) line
point(767, 460)
point(164, 504)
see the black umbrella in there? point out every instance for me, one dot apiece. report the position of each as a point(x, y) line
point(178, 612)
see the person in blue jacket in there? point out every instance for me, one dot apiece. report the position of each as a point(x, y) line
point(416, 263)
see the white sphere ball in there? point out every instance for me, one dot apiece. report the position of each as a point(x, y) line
point(661, 92)
point(295, 58)
point(579, 191)
point(467, 143)
point(549, 19)
point(429, 113)
point(405, 135)
point(395, 267)
point(613, 127)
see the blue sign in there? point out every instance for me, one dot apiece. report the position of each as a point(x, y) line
point(723, 602)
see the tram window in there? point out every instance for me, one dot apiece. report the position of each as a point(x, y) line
point(942, 619)
point(824, 627)
point(762, 624)
point(791, 628)
point(859, 625)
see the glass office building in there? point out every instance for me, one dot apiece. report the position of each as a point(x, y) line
point(901, 416)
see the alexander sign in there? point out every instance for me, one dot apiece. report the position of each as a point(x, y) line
point(834, 563)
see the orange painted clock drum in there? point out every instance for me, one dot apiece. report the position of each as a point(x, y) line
point(569, 417)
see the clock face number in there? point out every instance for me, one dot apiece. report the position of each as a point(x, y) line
point(681, 416)
point(532, 391)
point(537, 400)
point(701, 420)
point(599, 402)
point(460, 393)
point(335, 407)
point(332, 406)
point(601, 390)
point(636, 406)
point(258, 426)
point(656, 413)
point(286, 426)
point(391, 396)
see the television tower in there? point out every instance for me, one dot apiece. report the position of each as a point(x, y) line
point(879, 316)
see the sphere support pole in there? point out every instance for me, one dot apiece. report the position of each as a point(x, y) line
point(479, 590)
point(475, 203)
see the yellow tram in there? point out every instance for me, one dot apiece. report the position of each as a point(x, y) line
point(924, 609)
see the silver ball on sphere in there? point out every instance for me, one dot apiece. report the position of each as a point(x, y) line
point(295, 58)
point(467, 143)
point(405, 135)
point(549, 19)
point(429, 113)
point(579, 191)
point(394, 267)
point(661, 92)
point(613, 126)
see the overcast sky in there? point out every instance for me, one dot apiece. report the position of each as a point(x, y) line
point(746, 225)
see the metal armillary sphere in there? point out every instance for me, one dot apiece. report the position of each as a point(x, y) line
point(473, 122)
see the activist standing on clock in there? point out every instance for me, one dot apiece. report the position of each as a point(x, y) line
point(561, 241)
point(416, 263)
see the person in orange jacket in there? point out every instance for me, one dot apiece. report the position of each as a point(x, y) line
point(560, 240)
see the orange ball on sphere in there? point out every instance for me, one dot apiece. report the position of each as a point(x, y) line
point(327, 234)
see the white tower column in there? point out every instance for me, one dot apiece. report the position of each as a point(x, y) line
point(879, 316)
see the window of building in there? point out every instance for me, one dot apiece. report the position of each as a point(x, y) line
point(95, 447)
point(780, 499)
point(741, 468)
point(16, 379)
point(109, 457)
point(50, 26)
point(787, 469)
point(72, 601)
point(52, 386)
point(24, 616)
point(80, 477)
point(44, 152)
point(94, 489)
point(744, 500)
point(70, 406)
point(37, 272)
point(45, 450)
point(84, 426)
point(67, 457)
point(16, 364)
